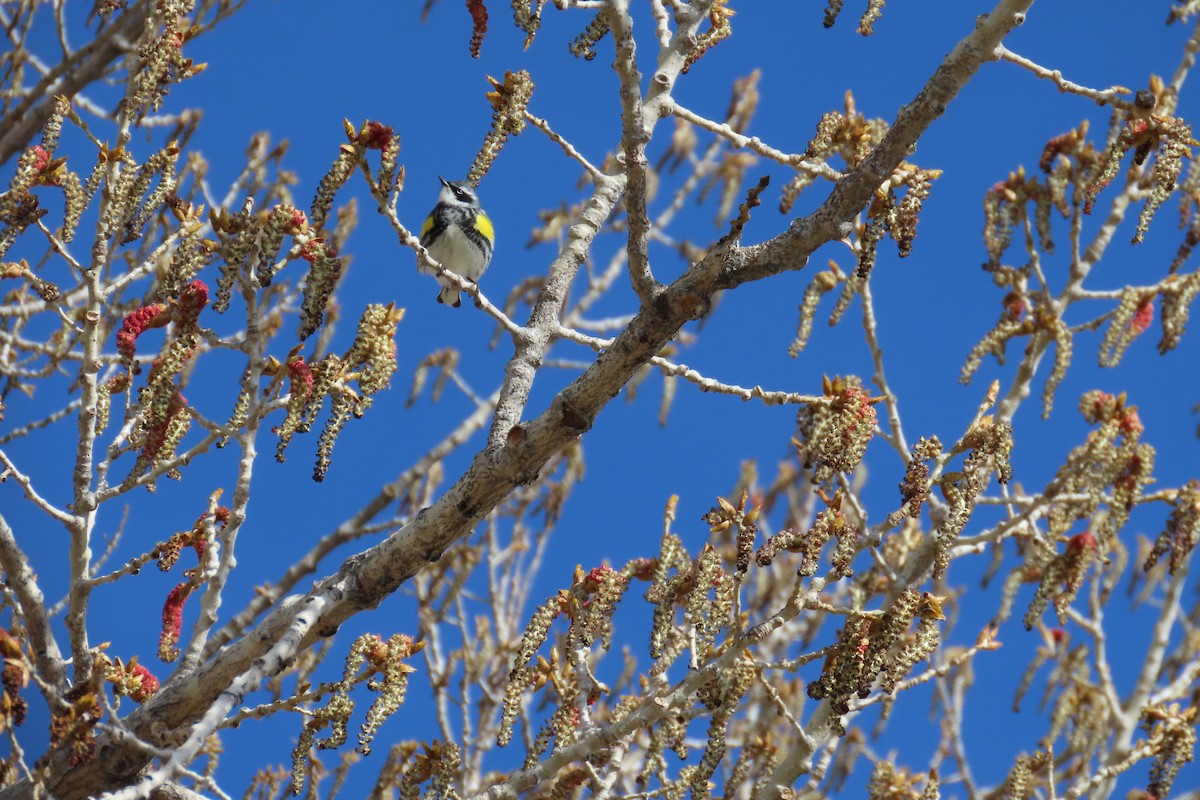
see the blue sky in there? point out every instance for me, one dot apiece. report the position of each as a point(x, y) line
point(297, 69)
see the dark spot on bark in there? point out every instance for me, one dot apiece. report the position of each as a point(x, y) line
point(574, 418)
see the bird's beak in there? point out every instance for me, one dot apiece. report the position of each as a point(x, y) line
point(443, 180)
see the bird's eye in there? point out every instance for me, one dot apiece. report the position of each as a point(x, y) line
point(462, 194)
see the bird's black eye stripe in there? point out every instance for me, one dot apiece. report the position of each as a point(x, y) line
point(461, 194)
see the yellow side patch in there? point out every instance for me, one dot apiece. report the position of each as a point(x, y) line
point(484, 226)
point(427, 225)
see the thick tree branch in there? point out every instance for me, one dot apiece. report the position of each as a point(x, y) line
point(21, 579)
point(635, 135)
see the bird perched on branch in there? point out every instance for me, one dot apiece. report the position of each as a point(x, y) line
point(459, 235)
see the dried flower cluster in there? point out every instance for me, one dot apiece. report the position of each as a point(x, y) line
point(830, 523)
point(527, 15)
point(991, 444)
point(1062, 578)
point(1182, 531)
point(1178, 294)
point(914, 490)
point(583, 46)
point(895, 217)
point(437, 764)
point(73, 724)
point(162, 63)
point(36, 167)
point(479, 25)
point(832, 437)
point(845, 134)
point(382, 665)
point(1144, 133)
point(369, 362)
point(589, 605)
point(1172, 739)
point(165, 418)
point(132, 679)
point(1112, 468)
point(871, 648)
point(1043, 322)
point(509, 100)
point(1132, 316)
point(719, 29)
point(890, 782)
point(726, 515)
point(199, 538)
point(821, 284)
point(14, 676)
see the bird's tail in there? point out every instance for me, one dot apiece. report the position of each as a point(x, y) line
point(450, 296)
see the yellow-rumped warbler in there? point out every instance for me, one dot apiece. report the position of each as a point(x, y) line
point(459, 235)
